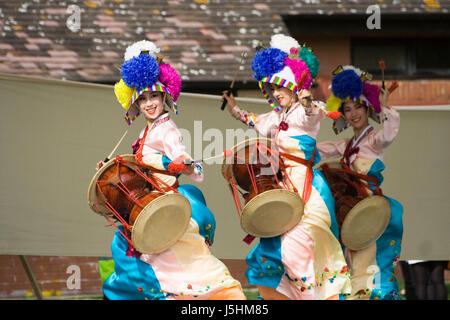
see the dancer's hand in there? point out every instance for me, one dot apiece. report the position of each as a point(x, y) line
point(231, 103)
point(384, 96)
point(99, 165)
point(306, 100)
point(178, 165)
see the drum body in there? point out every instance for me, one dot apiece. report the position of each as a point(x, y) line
point(154, 218)
point(253, 163)
point(116, 184)
point(361, 217)
point(256, 172)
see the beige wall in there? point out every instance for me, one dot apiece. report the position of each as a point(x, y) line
point(53, 132)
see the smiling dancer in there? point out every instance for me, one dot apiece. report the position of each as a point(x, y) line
point(187, 270)
point(306, 262)
point(358, 100)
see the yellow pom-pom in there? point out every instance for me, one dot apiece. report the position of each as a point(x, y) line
point(123, 94)
point(333, 103)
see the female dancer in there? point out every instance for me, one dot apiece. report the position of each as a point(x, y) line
point(306, 262)
point(187, 270)
point(372, 268)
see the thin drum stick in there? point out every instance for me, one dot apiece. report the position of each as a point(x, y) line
point(222, 155)
point(229, 90)
point(115, 148)
point(382, 67)
point(228, 152)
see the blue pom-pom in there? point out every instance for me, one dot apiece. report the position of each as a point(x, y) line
point(347, 84)
point(140, 72)
point(268, 62)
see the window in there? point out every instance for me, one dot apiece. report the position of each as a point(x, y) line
point(404, 57)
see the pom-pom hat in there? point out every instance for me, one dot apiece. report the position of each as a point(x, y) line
point(143, 70)
point(282, 64)
point(351, 83)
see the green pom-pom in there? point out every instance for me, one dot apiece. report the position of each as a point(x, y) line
point(311, 61)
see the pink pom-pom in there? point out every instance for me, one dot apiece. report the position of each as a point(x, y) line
point(372, 93)
point(170, 79)
point(298, 67)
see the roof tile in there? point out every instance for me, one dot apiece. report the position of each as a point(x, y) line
point(196, 36)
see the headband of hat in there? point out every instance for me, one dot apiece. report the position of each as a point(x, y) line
point(351, 83)
point(285, 63)
point(143, 70)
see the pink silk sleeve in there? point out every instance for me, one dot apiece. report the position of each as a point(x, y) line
point(262, 123)
point(382, 138)
point(310, 120)
point(172, 142)
point(332, 149)
point(174, 148)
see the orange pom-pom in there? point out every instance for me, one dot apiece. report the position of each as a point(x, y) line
point(334, 114)
point(176, 167)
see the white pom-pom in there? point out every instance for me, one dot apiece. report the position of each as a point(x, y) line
point(136, 48)
point(283, 42)
point(357, 70)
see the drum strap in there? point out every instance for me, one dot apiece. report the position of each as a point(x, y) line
point(349, 178)
point(352, 145)
point(307, 187)
point(366, 178)
point(350, 149)
point(298, 159)
point(140, 162)
point(357, 177)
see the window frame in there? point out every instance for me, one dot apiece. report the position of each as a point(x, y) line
point(410, 44)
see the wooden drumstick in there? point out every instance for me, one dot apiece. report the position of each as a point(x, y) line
point(332, 114)
point(394, 84)
point(225, 154)
point(382, 67)
point(115, 148)
point(230, 89)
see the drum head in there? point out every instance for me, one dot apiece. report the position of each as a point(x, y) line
point(272, 213)
point(92, 189)
point(365, 222)
point(161, 223)
point(241, 145)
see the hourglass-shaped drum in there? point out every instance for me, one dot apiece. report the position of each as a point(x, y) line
point(255, 171)
point(153, 218)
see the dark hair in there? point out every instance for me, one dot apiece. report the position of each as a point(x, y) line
point(341, 108)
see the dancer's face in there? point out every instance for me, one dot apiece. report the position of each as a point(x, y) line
point(150, 104)
point(285, 97)
point(356, 114)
